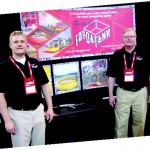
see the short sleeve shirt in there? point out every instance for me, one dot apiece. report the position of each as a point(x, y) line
point(12, 82)
point(141, 71)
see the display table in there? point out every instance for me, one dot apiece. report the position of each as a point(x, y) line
point(74, 123)
point(71, 109)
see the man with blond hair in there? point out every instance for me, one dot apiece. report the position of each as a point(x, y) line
point(22, 79)
point(127, 68)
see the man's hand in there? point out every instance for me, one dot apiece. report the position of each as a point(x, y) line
point(10, 127)
point(112, 101)
point(49, 114)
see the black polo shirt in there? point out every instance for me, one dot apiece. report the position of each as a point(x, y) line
point(141, 68)
point(12, 83)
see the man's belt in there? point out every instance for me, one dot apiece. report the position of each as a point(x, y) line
point(24, 108)
point(131, 89)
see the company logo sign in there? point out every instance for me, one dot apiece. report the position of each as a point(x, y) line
point(94, 33)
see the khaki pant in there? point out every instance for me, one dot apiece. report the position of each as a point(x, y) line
point(30, 127)
point(126, 100)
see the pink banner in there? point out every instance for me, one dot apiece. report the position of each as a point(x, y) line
point(60, 34)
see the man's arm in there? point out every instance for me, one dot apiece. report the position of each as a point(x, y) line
point(111, 83)
point(9, 125)
point(48, 98)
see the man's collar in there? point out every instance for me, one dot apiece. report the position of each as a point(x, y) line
point(27, 56)
point(135, 49)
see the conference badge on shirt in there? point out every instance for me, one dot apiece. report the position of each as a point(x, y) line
point(129, 75)
point(29, 84)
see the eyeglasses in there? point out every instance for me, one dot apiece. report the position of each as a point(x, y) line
point(131, 37)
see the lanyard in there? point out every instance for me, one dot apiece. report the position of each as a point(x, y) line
point(29, 65)
point(133, 60)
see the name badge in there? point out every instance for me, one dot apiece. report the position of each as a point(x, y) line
point(30, 87)
point(129, 75)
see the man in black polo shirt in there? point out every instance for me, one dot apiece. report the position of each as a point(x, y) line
point(127, 67)
point(21, 81)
